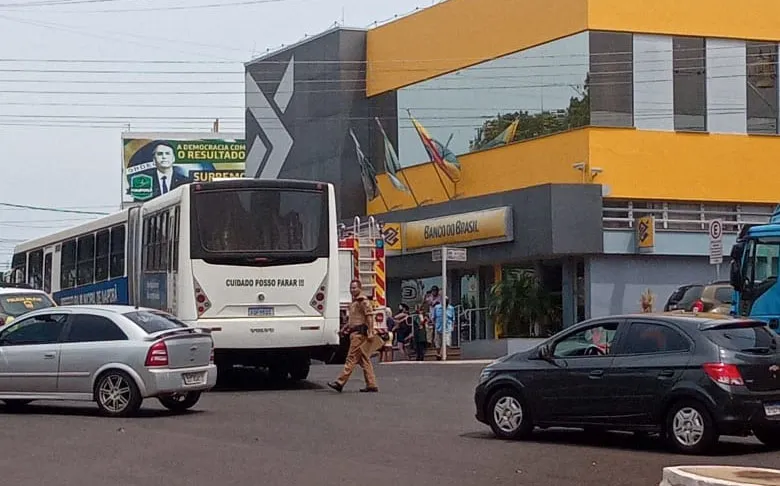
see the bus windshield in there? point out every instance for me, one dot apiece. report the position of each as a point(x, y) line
point(259, 222)
point(763, 261)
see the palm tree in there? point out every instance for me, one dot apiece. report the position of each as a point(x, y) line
point(521, 305)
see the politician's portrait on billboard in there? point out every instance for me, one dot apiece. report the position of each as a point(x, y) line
point(154, 165)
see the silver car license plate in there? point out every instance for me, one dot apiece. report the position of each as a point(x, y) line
point(772, 409)
point(197, 378)
point(259, 311)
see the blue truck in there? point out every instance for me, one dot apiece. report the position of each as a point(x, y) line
point(755, 265)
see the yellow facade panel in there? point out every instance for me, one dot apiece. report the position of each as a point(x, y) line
point(686, 166)
point(525, 164)
point(635, 164)
point(746, 19)
point(459, 33)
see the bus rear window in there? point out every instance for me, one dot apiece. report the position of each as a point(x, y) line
point(260, 221)
point(17, 304)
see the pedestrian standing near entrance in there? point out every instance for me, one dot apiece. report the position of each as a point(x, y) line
point(443, 325)
point(363, 340)
point(419, 336)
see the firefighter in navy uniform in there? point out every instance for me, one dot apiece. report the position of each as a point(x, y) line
point(363, 340)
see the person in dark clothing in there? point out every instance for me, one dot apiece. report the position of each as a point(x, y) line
point(419, 333)
point(403, 329)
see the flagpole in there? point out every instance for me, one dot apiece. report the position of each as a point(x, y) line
point(443, 186)
point(435, 168)
point(411, 191)
point(398, 169)
point(382, 197)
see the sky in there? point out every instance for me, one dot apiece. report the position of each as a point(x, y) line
point(69, 87)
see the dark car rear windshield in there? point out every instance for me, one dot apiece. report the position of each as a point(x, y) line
point(17, 304)
point(743, 337)
point(153, 322)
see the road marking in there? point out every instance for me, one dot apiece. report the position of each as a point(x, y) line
point(453, 362)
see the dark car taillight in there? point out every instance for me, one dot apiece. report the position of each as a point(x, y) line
point(726, 374)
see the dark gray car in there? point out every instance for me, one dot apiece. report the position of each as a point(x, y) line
point(691, 379)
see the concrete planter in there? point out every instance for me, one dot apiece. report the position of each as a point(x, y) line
point(496, 348)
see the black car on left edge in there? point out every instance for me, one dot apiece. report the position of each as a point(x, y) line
point(691, 378)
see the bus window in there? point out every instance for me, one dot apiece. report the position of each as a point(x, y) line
point(19, 267)
point(117, 252)
point(47, 263)
point(85, 264)
point(260, 221)
point(176, 238)
point(163, 242)
point(68, 265)
point(35, 273)
point(101, 255)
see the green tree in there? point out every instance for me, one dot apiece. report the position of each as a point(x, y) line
point(522, 306)
point(538, 124)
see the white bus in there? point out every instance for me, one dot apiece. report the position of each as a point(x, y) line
point(255, 261)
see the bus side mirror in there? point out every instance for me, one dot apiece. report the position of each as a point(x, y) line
point(735, 276)
point(735, 273)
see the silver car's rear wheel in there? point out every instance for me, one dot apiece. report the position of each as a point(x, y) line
point(116, 394)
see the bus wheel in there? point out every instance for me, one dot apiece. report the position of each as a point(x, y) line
point(278, 373)
point(300, 370)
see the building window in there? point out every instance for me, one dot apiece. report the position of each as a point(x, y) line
point(611, 82)
point(762, 95)
point(690, 83)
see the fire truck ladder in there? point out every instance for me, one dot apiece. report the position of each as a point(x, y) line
point(369, 256)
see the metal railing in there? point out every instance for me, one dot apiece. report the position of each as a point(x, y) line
point(684, 216)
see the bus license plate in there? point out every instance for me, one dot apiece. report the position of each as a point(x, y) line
point(194, 378)
point(772, 409)
point(261, 311)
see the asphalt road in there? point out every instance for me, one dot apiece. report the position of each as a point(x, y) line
point(418, 430)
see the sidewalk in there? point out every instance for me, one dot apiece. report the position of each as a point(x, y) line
point(719, 476)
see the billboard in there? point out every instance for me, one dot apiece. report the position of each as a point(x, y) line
point(155, 163)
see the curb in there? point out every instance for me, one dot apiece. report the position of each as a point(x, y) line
point(453, 362)
point(719, 476)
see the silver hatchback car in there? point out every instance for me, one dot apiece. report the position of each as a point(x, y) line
point(114, 355)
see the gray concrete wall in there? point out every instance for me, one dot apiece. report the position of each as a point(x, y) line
point(616, 282)
point(300, 106)
point(548, 220)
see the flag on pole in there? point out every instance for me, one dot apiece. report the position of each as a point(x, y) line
point(367, 172)
point(505, 137)
point(392, 165)
point(439, 154)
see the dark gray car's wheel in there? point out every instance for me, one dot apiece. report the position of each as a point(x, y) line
point(690, 428)
point(179, 402)
point(769, 436)
point(508, 415)
point(117, 395)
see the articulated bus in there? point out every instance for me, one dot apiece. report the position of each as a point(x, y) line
point(255, 261)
